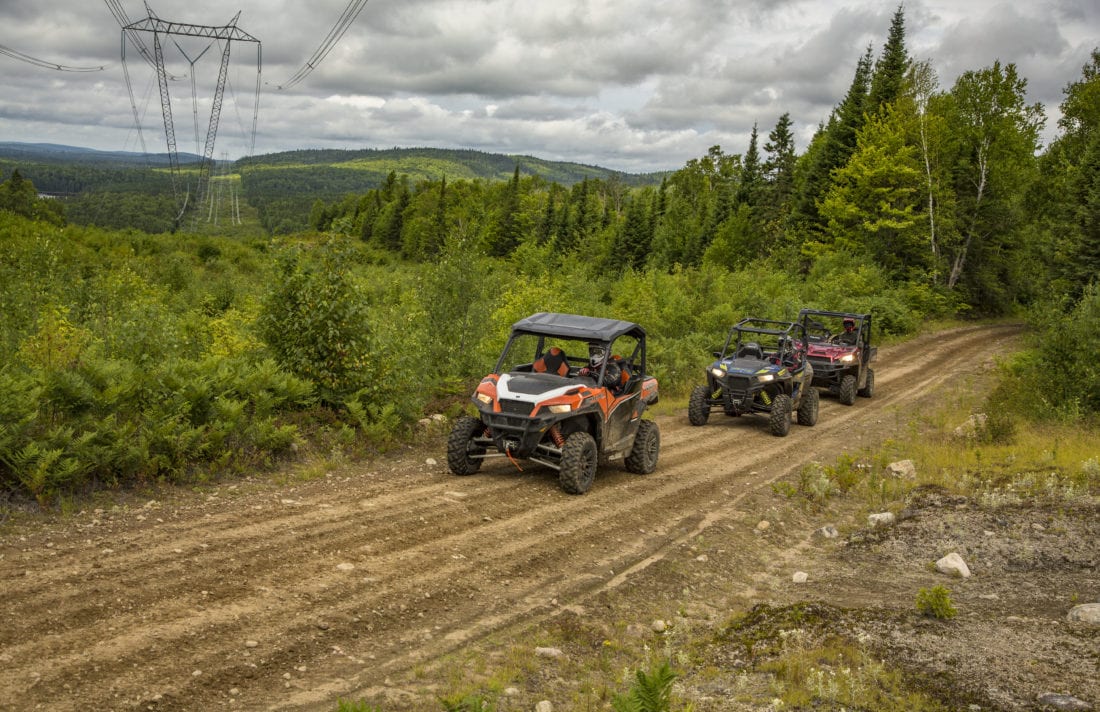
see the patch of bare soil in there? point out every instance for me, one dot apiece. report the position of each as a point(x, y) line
point(368, 583)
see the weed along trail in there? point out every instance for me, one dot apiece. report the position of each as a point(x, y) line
point(258, 595)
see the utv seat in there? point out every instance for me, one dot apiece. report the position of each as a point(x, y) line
point(553, 361)
point(751, 350)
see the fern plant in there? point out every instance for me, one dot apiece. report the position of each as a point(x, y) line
point(651, 692)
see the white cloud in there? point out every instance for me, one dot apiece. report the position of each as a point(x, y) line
point(638, 86)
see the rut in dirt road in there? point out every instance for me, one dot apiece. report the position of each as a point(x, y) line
point(291, 597)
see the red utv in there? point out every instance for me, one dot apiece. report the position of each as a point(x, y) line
point(839, 347)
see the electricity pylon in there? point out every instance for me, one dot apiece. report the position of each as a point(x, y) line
point(227, 33)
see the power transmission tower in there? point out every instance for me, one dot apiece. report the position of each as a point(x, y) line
point(226, 33)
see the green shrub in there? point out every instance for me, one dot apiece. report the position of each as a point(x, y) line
point(935, 602)
point(314, 320)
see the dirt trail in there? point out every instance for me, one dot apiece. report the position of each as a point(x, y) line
point(268, 597)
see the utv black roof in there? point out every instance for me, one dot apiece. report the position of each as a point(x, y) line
point(820, 312)
point(574, 326)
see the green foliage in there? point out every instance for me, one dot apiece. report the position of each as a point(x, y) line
point(314, 320)
point(1058, 377)
point(356, 706)
point(936, 603)
point(649, 692)
point(467, 703)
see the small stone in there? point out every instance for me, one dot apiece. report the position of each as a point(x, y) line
point(234, 691)
point(544, 706)
point(902, 469)
point(702, 558)
point(1085, 613)
point(659, 626)
point(953, 565)
point(196, 673)
point(345, 567)
point(827, 532)
point(251, 643)
point(881, 519)
point(763, 525)
point(430, 462)
point(800, 577)
point(1065, 703)
point(548, 652)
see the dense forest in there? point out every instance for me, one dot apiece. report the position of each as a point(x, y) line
point(140, 351)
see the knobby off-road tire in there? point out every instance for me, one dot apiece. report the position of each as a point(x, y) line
point(459, 448)
point(808, 408)
point(698, 410)
point(647, 446)
point(848, 389)
point(578, 463)
point(779, 420)
point(868, 389)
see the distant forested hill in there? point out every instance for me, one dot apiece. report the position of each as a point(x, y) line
point(118, 189)
point(435, 163)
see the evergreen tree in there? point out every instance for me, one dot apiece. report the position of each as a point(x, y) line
point(506, 235)
point(838, 140)
point(438, 235)
point(748, 191)
point(891, 67)
point(872, 206)
point(1086, 262)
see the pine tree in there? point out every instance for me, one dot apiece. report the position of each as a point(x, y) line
point(748, 192)
point(837, 141)
point(1087, 255)
point(891, 67)
point(507, 236)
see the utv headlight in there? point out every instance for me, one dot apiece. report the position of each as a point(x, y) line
point(485, 398)
point(560, 408)
point(766, 377)
point(717, 372)
point(848, 358)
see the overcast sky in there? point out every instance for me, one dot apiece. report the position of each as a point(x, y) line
point(637, 86)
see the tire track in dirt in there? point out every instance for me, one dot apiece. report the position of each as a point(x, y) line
point(430, 561)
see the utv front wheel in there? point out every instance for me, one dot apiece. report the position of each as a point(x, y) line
point(461, 451)
point(698, 410)
point(647, 445)
point(848, 389)
point(807, 409)
point(868, 389)
point(779, 420)
point(578, 463)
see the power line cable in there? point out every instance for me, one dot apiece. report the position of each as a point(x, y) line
point(16, 54)
point(334, 35)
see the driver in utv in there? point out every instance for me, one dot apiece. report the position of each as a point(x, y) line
point(597, 356)
point(850, 335)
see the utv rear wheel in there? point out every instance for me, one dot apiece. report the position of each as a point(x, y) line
point(460, 446)
point(698, 410)
point(779, 420)
point(868, 389)
point(578, 463)
point(807, 409)
point(848, 389)
point(647, 445)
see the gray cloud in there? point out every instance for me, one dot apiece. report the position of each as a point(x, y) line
point(638, 86)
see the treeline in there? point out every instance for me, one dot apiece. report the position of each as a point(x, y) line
point(944, 189)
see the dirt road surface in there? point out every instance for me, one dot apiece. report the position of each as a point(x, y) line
point(257, 595)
